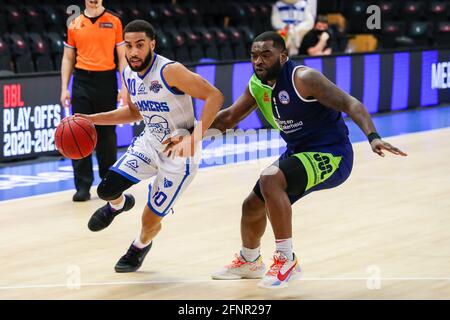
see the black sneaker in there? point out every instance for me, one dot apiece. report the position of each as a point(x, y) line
point(105, 215)
point(132, 260)
point(81, 195)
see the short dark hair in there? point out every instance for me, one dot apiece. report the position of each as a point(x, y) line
point(322, 18)
point(140, 26)
point(274, 36)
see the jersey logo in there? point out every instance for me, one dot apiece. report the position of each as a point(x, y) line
point(132, 164)
point(167, 183)
point(158, 126)
point(323, 164)
point(155, 86)
point(266, 97)
point(141, 89)
point(284, 98)
point(106, 25)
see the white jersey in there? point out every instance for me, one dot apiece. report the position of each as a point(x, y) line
point(164, 109)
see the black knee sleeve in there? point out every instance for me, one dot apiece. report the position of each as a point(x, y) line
point(295, 175)
point(112, 186)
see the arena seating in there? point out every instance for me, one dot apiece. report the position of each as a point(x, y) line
point(403, 23)
point(5, 56)
point(31, 34)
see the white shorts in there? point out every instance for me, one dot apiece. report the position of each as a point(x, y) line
point(142, 161)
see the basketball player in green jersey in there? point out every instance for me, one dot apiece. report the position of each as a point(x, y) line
point(306, 108)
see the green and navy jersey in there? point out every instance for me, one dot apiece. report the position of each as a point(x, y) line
point(304, 124)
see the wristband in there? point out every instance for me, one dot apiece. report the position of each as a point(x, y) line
point(372, 136)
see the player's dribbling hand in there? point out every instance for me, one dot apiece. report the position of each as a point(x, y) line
point(379, 145)
point(180, 146)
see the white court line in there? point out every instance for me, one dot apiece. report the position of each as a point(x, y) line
point(71, 287)
point(119, 283)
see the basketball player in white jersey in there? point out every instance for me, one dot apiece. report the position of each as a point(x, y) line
point(160, 92)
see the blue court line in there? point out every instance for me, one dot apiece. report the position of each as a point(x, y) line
point(20, 181)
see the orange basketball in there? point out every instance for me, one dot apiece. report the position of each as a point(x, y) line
point(75, 137)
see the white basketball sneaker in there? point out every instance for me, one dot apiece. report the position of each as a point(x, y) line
point(280, 272)
point(241, 269)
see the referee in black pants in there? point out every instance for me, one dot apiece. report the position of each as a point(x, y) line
point(92, 40)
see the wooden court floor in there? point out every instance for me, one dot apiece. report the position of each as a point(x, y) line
point(384, 234)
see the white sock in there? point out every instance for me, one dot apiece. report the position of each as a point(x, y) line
point(250, 255)
point(137, 243)
point(118, 206)
point(285, 246)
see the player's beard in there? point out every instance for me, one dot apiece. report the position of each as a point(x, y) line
point(144, 64)
point(271, 73)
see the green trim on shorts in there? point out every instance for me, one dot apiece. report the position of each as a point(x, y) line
point(319, 166)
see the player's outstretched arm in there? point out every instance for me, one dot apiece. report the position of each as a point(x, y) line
point(311, 83)
point(126, 114)
point(179, 77)
point(229, 117)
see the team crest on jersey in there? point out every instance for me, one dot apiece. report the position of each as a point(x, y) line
point(167, 183)
point(155, 86)
point(158, 126)
point(284, 98)
point(266, 97)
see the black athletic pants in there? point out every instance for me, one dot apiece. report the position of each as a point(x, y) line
point(94, 92)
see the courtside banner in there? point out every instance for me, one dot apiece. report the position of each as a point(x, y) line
point(384, 81)
point(29, 113)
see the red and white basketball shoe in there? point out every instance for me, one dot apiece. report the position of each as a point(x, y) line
point(241, 269)
point(281, 272)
